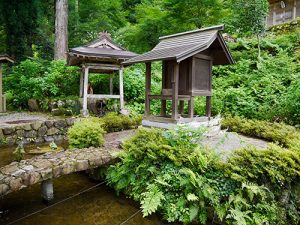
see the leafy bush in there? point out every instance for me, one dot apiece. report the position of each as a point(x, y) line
point(86, 132)
point(170, 172)
point(113, 122)
point(38, 79)
point(283, 134)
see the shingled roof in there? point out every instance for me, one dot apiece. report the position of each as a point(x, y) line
point(6, 59)
point(184, 45)
point(103, 48)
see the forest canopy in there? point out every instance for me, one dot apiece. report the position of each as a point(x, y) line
point(136, 24)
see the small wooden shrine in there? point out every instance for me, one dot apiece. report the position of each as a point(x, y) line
point(3, 59)
point(187, 60)
point(100, 56)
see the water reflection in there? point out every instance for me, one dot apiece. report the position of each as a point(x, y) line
point(100, 206)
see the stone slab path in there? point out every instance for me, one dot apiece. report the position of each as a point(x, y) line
point(18, 175)
point(226, 142)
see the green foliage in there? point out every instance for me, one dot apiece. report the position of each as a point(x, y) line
point(39, 80)
point(283, 134)
point(112, 122)
point(192, 184)
point(89, 131)
point(86, 132)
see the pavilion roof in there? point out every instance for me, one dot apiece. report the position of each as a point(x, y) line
point(103, 49)
point(184, 45)
point(6, 59)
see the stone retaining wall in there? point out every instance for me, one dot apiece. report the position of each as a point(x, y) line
point(35, 131)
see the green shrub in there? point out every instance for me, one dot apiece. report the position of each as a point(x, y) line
point(86, 132)
point(113, 122)
point(168, 172)
point(281, 133)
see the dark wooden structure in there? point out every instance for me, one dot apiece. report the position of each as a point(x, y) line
point(100, 56)
point(187, 60)
point(282, 11)
point(3, 59)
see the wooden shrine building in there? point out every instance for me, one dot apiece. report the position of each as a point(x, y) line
point(100, 56)
point(3, 59)
point(187, 60)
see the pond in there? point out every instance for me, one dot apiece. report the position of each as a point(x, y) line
point(99, 206)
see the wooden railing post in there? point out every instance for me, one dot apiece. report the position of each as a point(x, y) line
point(175, 84)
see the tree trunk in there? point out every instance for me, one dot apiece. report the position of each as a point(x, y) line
point(61, 29)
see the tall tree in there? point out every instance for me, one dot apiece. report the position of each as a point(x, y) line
point(249, 17)
point(61, 29)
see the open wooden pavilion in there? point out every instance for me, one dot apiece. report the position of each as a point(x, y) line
point(3, 59)
point(100, 56)
point(187, 60)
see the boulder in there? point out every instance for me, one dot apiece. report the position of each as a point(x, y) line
point(42, 131)
point(36, 125)
point(60, 124)
point(49, 123)
point(8, 130)
point(52, 131)
point(33, 105)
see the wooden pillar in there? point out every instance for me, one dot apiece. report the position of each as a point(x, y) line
point(175, 83)
point(191, 107)
point(295, 9)
point(163, 110)
point(121, 88)
point(147, 89)
point(208, 106)
point(181, 107)
point(111, 87)
point(81, 83)
point(1, 90)
point(85, 91)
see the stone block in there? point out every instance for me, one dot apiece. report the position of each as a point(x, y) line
point(58, 137)
point(11, 140)
point(36, 125)
point(8, 130)
point(57, 171)
point(42, 131)
point(3, 189)
point(15, 184)
point(1, 134)
point(30, 134)
point(20, 133)
point(46, 174)
point(33, 105)
point(67, 168)
point(70, 121)
point(26, 127)
point(39, 140)
point(51, 131)
point(49, 123)
point(60, 124)
point(33, 178)
point(82, 165)
point(48, 139)
point(18, 173)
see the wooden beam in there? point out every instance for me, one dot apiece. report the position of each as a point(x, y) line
point(104, 96)
point(208, 106)
point(85, 91)
point(175, 84)
point(147, 88)
point(121, 88)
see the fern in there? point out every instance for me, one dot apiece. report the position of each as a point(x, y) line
point(151, 199)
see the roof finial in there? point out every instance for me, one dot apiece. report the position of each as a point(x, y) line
point(104, 34)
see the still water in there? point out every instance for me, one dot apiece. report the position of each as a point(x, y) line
point(100, 206)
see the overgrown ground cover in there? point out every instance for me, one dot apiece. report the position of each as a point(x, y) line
point(171, 173)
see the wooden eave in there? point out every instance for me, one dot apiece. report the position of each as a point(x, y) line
point(6, 59)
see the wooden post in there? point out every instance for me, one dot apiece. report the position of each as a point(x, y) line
point(121, 88)
point(181, 107)
point(111, 87)
point(208, 106)
point(85, 90)
point(81, 83)
point(191, 107)
point(175, 84)
point(147, 89)
point(163, 110)
point(1, 90)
